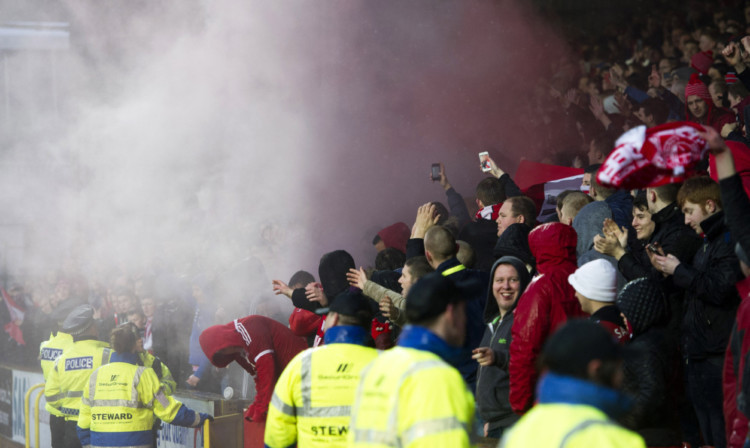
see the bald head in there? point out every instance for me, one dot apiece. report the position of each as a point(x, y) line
point(439, 245)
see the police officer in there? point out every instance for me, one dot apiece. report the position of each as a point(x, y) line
point(49, 351)
point(70, 373)
point(412, 395)
point(311, 404)
point(121, 399)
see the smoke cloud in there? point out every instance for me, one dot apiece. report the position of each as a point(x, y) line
point(196, 134)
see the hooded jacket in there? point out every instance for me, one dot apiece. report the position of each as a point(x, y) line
point(332, 271)
point(268, 348)
point(715, 117)
point(651, 364)
point(493, 382)
point(547, 303)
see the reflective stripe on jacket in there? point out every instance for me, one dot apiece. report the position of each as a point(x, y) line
point(411, 398)
point(119, 405)
point(558, 425)
point(166, 380)
point(70, 375)
point(311, 403)
point(49, 351)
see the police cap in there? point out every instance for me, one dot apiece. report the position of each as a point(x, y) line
point(78, 320)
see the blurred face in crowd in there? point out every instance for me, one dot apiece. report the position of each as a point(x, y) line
point(642, 223)
point(505, 217)
point(695, 214)
point(147, 303)
point(594, 154)
point(691, 48)
point(717, 96)
point(698, 108)
point(665, 66)
point(586, 182)
point(705, 43)
point(734, 100)
point(506, 287)
point(648, 120)
point(137, 319)
point(406, 280)
point(124, 303)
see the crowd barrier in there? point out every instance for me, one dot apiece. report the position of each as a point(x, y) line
point(24, 425)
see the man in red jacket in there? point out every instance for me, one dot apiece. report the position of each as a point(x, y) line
point(261, 346)
point(547, 303)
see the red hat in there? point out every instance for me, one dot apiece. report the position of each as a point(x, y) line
point(731, 78)
point(702, 61)
point(655, 156)
point(698, 88)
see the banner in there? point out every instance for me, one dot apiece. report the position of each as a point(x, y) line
point(552, 189)
point(22, 381)
point(6, 402)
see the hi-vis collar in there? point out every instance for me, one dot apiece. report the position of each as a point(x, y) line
point(453, 270)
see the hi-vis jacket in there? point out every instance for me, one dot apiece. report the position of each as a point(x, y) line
point(119, 404)
point(49, 351)
point(311, 404)
point(411, 397)
point(70, 375)
point(166, 380)
point(572, 413)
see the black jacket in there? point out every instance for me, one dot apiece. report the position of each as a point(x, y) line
point(672, 234)
point(736, 209)
point(482, 233)
point(472, 285)
point(651, 365)
point(493, 382)
point(711, 299)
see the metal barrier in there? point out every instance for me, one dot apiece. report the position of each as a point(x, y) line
point(206, 435)
point(36, 413)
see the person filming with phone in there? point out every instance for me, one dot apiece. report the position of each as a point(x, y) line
point(481, 230)
point(710, 301)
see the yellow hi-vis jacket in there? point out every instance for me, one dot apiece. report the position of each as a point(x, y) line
point(119, 404)
point(411, 398)
point(70, 375)
point(166, 380)
point(49, 351)
point(311, 403)
point(568, 426)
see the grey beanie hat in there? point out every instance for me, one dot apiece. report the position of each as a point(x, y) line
point(79, 320)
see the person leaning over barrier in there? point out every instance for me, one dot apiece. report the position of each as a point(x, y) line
point(412, 395)
point(122, 398)
point(311, 403)
point(70, 374)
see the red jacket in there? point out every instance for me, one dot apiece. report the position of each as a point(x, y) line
point(735, 421)
point(547, 303)
point(268, 348)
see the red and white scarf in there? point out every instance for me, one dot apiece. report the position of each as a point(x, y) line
point(489, 212)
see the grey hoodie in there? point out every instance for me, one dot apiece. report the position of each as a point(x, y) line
point(493, 382)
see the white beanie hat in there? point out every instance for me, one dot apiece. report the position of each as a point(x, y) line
point(596, 280)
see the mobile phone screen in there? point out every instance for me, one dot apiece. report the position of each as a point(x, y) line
point(435, 171)
point(484, 161)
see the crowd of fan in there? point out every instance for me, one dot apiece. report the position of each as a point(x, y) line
point(687, 241)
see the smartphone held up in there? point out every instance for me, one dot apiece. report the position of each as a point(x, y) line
point(484, 161)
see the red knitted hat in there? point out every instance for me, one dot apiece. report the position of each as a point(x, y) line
point(702, 61)
point(696, 87)
point(731, 78)
point(655, 156)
